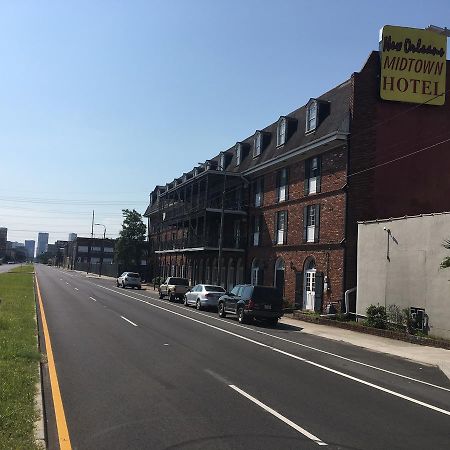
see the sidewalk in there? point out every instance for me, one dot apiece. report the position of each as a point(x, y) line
point(418, 353)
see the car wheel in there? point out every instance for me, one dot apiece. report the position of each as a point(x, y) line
point(117, 283)
point(198, 305)
point(171, 296)
point(185, 301)
point(241, 316)
point(123, 284)
point(273, 321)
point(221, 310)
point(161, 296)
point(139, 287)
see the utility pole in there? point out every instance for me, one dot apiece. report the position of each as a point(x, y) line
point(90, 244)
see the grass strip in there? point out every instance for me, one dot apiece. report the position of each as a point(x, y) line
point(19, 358)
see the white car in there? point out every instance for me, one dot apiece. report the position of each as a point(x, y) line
point(204, 296)
point(131, 279)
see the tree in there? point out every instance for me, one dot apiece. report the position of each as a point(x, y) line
point(446, 262)
point(131, 241)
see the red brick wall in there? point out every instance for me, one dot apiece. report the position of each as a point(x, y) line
point(328, 252)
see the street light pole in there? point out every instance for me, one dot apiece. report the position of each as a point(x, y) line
point(103, 247)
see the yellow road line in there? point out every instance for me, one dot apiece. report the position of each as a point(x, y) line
point(61, 424)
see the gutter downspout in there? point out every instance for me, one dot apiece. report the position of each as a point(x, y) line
point(346, 301)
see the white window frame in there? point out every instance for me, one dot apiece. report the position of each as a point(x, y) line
point(311, 116)
point(280, 236)
point(256, 230)
point(258, 193)
point(312, 181)
point(311, 224)
point(282, 188)
point(281, 131)
point(257, 144)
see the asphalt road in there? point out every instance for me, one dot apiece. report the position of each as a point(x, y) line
point(136, 372)
point(7, 267)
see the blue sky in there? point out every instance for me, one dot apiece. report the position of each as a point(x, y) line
point(102, 100)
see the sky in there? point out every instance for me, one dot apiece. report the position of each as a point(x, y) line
point(100, 101)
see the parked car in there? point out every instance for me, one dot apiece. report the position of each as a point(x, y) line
point(174, 288)
point(250, 302)
point(131, 279)
point(204, 296)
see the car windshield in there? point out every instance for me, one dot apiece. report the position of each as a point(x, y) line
point(133, 275)
point(180, 281)
point(214, 289)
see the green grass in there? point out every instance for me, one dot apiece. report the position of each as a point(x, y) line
point(19, 358)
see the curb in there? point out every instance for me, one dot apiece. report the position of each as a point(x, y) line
point(39, 424)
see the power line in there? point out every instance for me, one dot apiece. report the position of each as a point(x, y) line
point(399, 158)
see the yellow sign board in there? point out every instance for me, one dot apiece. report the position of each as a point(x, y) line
point(413, 65)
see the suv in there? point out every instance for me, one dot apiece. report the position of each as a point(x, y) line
point(174, 287)
point(129, 279)
point(250, 302)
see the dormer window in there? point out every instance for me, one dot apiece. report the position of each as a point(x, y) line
point(222, 162)
point(257, 144)
point(195, 171)
point(281, 131)
point(311, 116)
point(238, 153)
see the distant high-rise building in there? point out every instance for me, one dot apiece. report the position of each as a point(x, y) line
point(42, 244)
point(29, 245)
point(3, 239)
point(72, 236)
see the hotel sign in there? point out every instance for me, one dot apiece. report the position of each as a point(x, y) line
point(413, 65)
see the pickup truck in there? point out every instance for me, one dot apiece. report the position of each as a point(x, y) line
point(174, 288)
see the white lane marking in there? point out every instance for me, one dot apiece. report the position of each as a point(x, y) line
point(307, 346)
point(92, 298)
point(132, 323)
point(76, 289)
point(290, 355)
point(60, 279)
point(278, 416)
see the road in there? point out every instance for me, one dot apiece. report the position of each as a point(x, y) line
point(7, 267)
point(136, 372)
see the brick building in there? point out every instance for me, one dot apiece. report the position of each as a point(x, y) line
point(294, 191)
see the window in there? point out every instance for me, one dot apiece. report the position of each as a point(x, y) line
point(281, 131)
point(312, 175)
point(281, 227)
point(236, 290)
point(282, 185)
point(258, 144)
point(258, 191)
point(237, 233)
point(311, 116)
point(311, 218)
point(256, 230)
point(238, 154)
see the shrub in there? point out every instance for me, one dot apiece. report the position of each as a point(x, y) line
point(157, 280)
point(376, 316)
point(409, 321)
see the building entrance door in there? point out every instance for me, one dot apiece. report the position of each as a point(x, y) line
point(310, 289)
